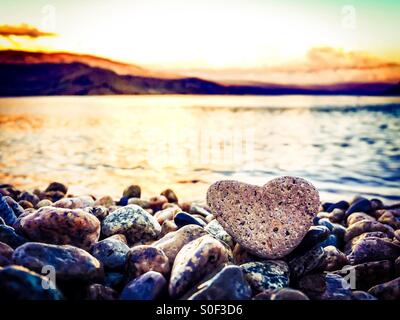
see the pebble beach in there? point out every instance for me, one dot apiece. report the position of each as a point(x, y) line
point(55, 245)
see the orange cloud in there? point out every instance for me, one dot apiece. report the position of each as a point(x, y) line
point(23, 30)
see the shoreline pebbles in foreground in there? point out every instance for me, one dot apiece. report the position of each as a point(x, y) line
point(276, 242)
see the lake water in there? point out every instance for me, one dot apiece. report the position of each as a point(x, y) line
point(344, 145)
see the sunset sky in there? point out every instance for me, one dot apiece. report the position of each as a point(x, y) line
point(254, 40)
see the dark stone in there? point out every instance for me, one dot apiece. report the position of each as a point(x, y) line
point(18, 283)
point(332, 240)
point(263, 275)
point(5, 254)
point(288, 294)
point(344, 205)
point(182, 219)
point(6, 213)
point(114, 280)
point(10, 237)
point(100, 292)
point(326, 223)
point(315, 235)
point(325, 287)
point(69, 263)
point(362, 295)
point(227, 284)
point(15, 207)
point(57, 186)
point(368, 274)
point(326, 205)
point(148, 286)
point(170, 195)
point(30, 197)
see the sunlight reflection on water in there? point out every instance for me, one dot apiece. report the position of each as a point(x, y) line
point(345, 145)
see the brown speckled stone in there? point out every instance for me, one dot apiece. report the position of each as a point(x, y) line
point(268, 221)
point(61, 226)
point(74, 203)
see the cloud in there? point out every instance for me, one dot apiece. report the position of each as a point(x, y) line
point(23, 30)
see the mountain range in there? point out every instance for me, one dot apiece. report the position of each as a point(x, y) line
point(24, 73)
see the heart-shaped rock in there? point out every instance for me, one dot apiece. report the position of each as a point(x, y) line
point(269, 221)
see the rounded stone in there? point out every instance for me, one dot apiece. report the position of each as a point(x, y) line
point(241, 255)
point(148, 286)
point(227, 284)
point(167, 227)
point(170, 195)
point(111, 252)
point(144, 258)
point(19, 283)
point(145, 204)
point(99, 292)
point(173, 242)
point(166, 214)
point(387, 291)
point(336, 215)
point(10, 237)
point(314, 235)
point(100, 212)
point(133, 222)
point(195, 260)
point(367, 226)
point(156, 203)
point(310, 261)
point(329, 207)
point(373, 249)
point(105, 201)
point(57, 186)
point(268, 221)
point(362, 295)
point(15, 207)
point(6, 213)
point(62, 226)
point(391, 218)
point(182, 219)
point(334, 258)
point(69, 262)
point(75, 202)
point(5, 254)
point(360, 205)
point(216, 230)
point(44, 203)
point(358, 216)
point(132, 191)
point(263, 275)
point(30, 197)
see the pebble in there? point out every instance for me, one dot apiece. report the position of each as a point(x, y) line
point(287, 294)
point(362, 295)
point(10, 237)
point(133, 191)
point(358, 216)
point(216, 230)
point(376, 234)
point(183, 219)
point(148, 286)
point(100, 212)
point(343, 205)
point(309, 261)
point(166, 214)
point(314, 235)
point(145, 204)
point(168, 226)
point(194, 261)
point(170, 195)
point(101, 293)
point(5, 254)
point(19, 283)
point(105, 201)
point(156, 203)
point(391, 218)
point(388, 291)
point(69, 262)
point(57, 186)
point(263, 275)
point(144, 258)
point(334, 258)
point(25, 204)
point(269, 221)
point(30, 197)
point(173, 242)
point(228, 284)
point(114, 280)
point(328, 286)
point(373, 249)
point(336, 215)
point(44, 203)
point(332, 240)
point(241, 255)
point(367, 226)
point(111, 252)
point(133, 222)
point(368, 274)
point(197, 209)
point(75, 202)
point(6, 213)
point(360, 205)
point(62, 226)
